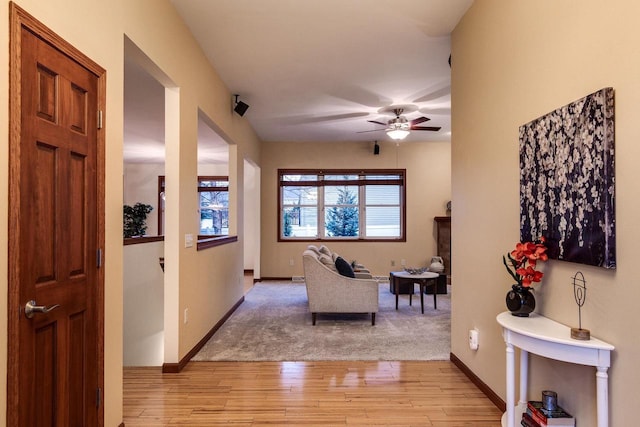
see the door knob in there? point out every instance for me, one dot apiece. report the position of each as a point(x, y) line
point(30, 308)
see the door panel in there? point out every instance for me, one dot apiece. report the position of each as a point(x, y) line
point(43, 218)
point(56, 364)
point(77, 237)
point(45, 371)
point(77, 355)
point(47, 99)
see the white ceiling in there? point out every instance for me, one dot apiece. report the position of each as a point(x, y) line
point(144, 122)
point(317, 70)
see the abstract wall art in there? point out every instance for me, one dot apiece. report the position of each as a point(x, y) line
point(567, 181)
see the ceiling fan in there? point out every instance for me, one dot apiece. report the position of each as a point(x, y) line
point(399, 127)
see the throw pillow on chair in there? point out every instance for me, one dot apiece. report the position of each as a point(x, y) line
point(344, 268)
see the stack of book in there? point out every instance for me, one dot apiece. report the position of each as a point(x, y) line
point(537, 416)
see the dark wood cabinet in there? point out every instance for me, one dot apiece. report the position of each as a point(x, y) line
point(443, 242)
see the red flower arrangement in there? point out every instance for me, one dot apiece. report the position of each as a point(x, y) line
point(523, 260)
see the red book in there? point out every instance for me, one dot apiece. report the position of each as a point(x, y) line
point(535, 417)
point(528, 421)
point(557, 417)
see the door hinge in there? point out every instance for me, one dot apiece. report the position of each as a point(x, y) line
point(99, 119)
point(98, 397)
point(99, 258)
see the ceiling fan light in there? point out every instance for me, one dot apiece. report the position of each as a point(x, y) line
point(398, 134)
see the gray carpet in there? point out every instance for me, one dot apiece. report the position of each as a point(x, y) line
point(274, 324)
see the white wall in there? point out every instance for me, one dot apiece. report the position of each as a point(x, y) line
point(143, 281)
point(143, 332)
point(141, 185)
point(514, 61)
point(213, 169)
point(252, 218)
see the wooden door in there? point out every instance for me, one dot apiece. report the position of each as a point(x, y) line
point(55, 367)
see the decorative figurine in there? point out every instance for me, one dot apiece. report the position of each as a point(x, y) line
point(580, 295)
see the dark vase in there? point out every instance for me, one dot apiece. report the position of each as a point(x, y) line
point(520, 301)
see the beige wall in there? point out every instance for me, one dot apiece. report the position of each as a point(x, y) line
point(98, 29)
point(513, 62)
point(428, 190)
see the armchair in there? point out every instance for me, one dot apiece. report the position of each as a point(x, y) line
point(330, 292)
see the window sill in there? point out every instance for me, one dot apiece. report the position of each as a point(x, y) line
point(210, 242)
point(203, 241)
point(142, 239)
point(380, 239)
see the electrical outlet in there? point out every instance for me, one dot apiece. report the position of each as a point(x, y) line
point(188, 241)
point(393, 263)
point(186, 315)
point(291, 262)
point(403, 262)
point(473, 339)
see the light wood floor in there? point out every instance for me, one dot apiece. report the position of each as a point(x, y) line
point(307, 394)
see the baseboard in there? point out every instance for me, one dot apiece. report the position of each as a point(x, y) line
point(279, 279)
point(174, 368)
point(381, 279)
point(491, 395)
point(250, 273)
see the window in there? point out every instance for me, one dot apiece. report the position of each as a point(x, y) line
point(341, 205)
point(213, 192)
point(214, 205)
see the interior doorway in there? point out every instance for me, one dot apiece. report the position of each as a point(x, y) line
point(144, 162)
point(252, 218)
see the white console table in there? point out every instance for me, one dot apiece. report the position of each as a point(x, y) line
point(538, 335)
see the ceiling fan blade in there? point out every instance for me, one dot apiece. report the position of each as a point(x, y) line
point(432, 95)
point(358, 95)
point(419, 120)
point(311, 118)
point(436, 111)
point(374, 130)
point(377, 122)
point(432, 128)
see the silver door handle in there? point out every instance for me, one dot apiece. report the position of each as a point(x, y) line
point(30, 308)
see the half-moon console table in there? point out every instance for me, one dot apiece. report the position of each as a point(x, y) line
point(542, 336)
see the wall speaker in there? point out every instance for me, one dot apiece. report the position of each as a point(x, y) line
point(240, 107)
point(376, 149)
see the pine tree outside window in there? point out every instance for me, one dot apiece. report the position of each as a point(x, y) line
point(341, 210)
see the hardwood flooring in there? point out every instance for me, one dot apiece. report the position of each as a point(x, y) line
point(306, 394)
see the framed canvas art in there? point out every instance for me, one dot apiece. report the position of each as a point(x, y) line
point(567, 181)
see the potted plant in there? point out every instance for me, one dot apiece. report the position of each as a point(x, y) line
point(521, 266)
point(135, 219)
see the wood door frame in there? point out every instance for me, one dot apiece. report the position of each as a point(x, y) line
point(19, 19)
